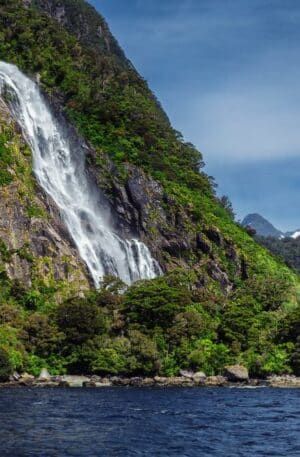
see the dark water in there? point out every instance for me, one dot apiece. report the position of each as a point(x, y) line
point(150, 422)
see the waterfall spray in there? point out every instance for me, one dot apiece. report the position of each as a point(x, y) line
point(59, 166)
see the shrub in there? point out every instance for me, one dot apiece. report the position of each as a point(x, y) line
point(6, 367)
point(209, 357)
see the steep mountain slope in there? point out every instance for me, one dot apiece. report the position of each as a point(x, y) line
point(226, 301)
point(175, 211)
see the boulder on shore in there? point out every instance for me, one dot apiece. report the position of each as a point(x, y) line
point(44, 375)
point(26, 377)
point(200, 375)
point(236, 373)
point(187, 374)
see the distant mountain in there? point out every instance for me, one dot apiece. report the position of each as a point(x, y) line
point(262, 226)
point(286, 245)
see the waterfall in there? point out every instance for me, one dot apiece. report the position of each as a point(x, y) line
point(59, 167)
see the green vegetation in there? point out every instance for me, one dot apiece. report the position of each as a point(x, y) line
point(234, 302)
point(152, 327)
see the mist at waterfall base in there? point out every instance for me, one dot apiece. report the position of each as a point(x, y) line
point(59, 166)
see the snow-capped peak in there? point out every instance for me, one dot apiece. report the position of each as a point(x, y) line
point(295, 235)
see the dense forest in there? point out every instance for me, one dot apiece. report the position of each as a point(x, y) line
point(288, 249)
point(223, 298)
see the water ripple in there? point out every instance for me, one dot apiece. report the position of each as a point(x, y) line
point(149, 422)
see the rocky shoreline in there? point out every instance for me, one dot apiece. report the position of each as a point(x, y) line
point(231, 378)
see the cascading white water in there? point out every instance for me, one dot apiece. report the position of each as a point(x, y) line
point(59, 166)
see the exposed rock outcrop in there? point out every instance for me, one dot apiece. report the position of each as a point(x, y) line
point(88, 26)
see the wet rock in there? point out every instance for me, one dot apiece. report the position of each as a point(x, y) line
point(236, 373)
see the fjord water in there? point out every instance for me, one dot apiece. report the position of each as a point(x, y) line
point(120, 422)
point(59, 166)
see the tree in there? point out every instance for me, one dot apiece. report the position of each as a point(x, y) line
point(227, 205)
point(80, 320)
point(156, 302)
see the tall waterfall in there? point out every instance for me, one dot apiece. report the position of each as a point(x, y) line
point(59, 166)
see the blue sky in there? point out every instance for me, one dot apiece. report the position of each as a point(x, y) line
point(227, 73)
